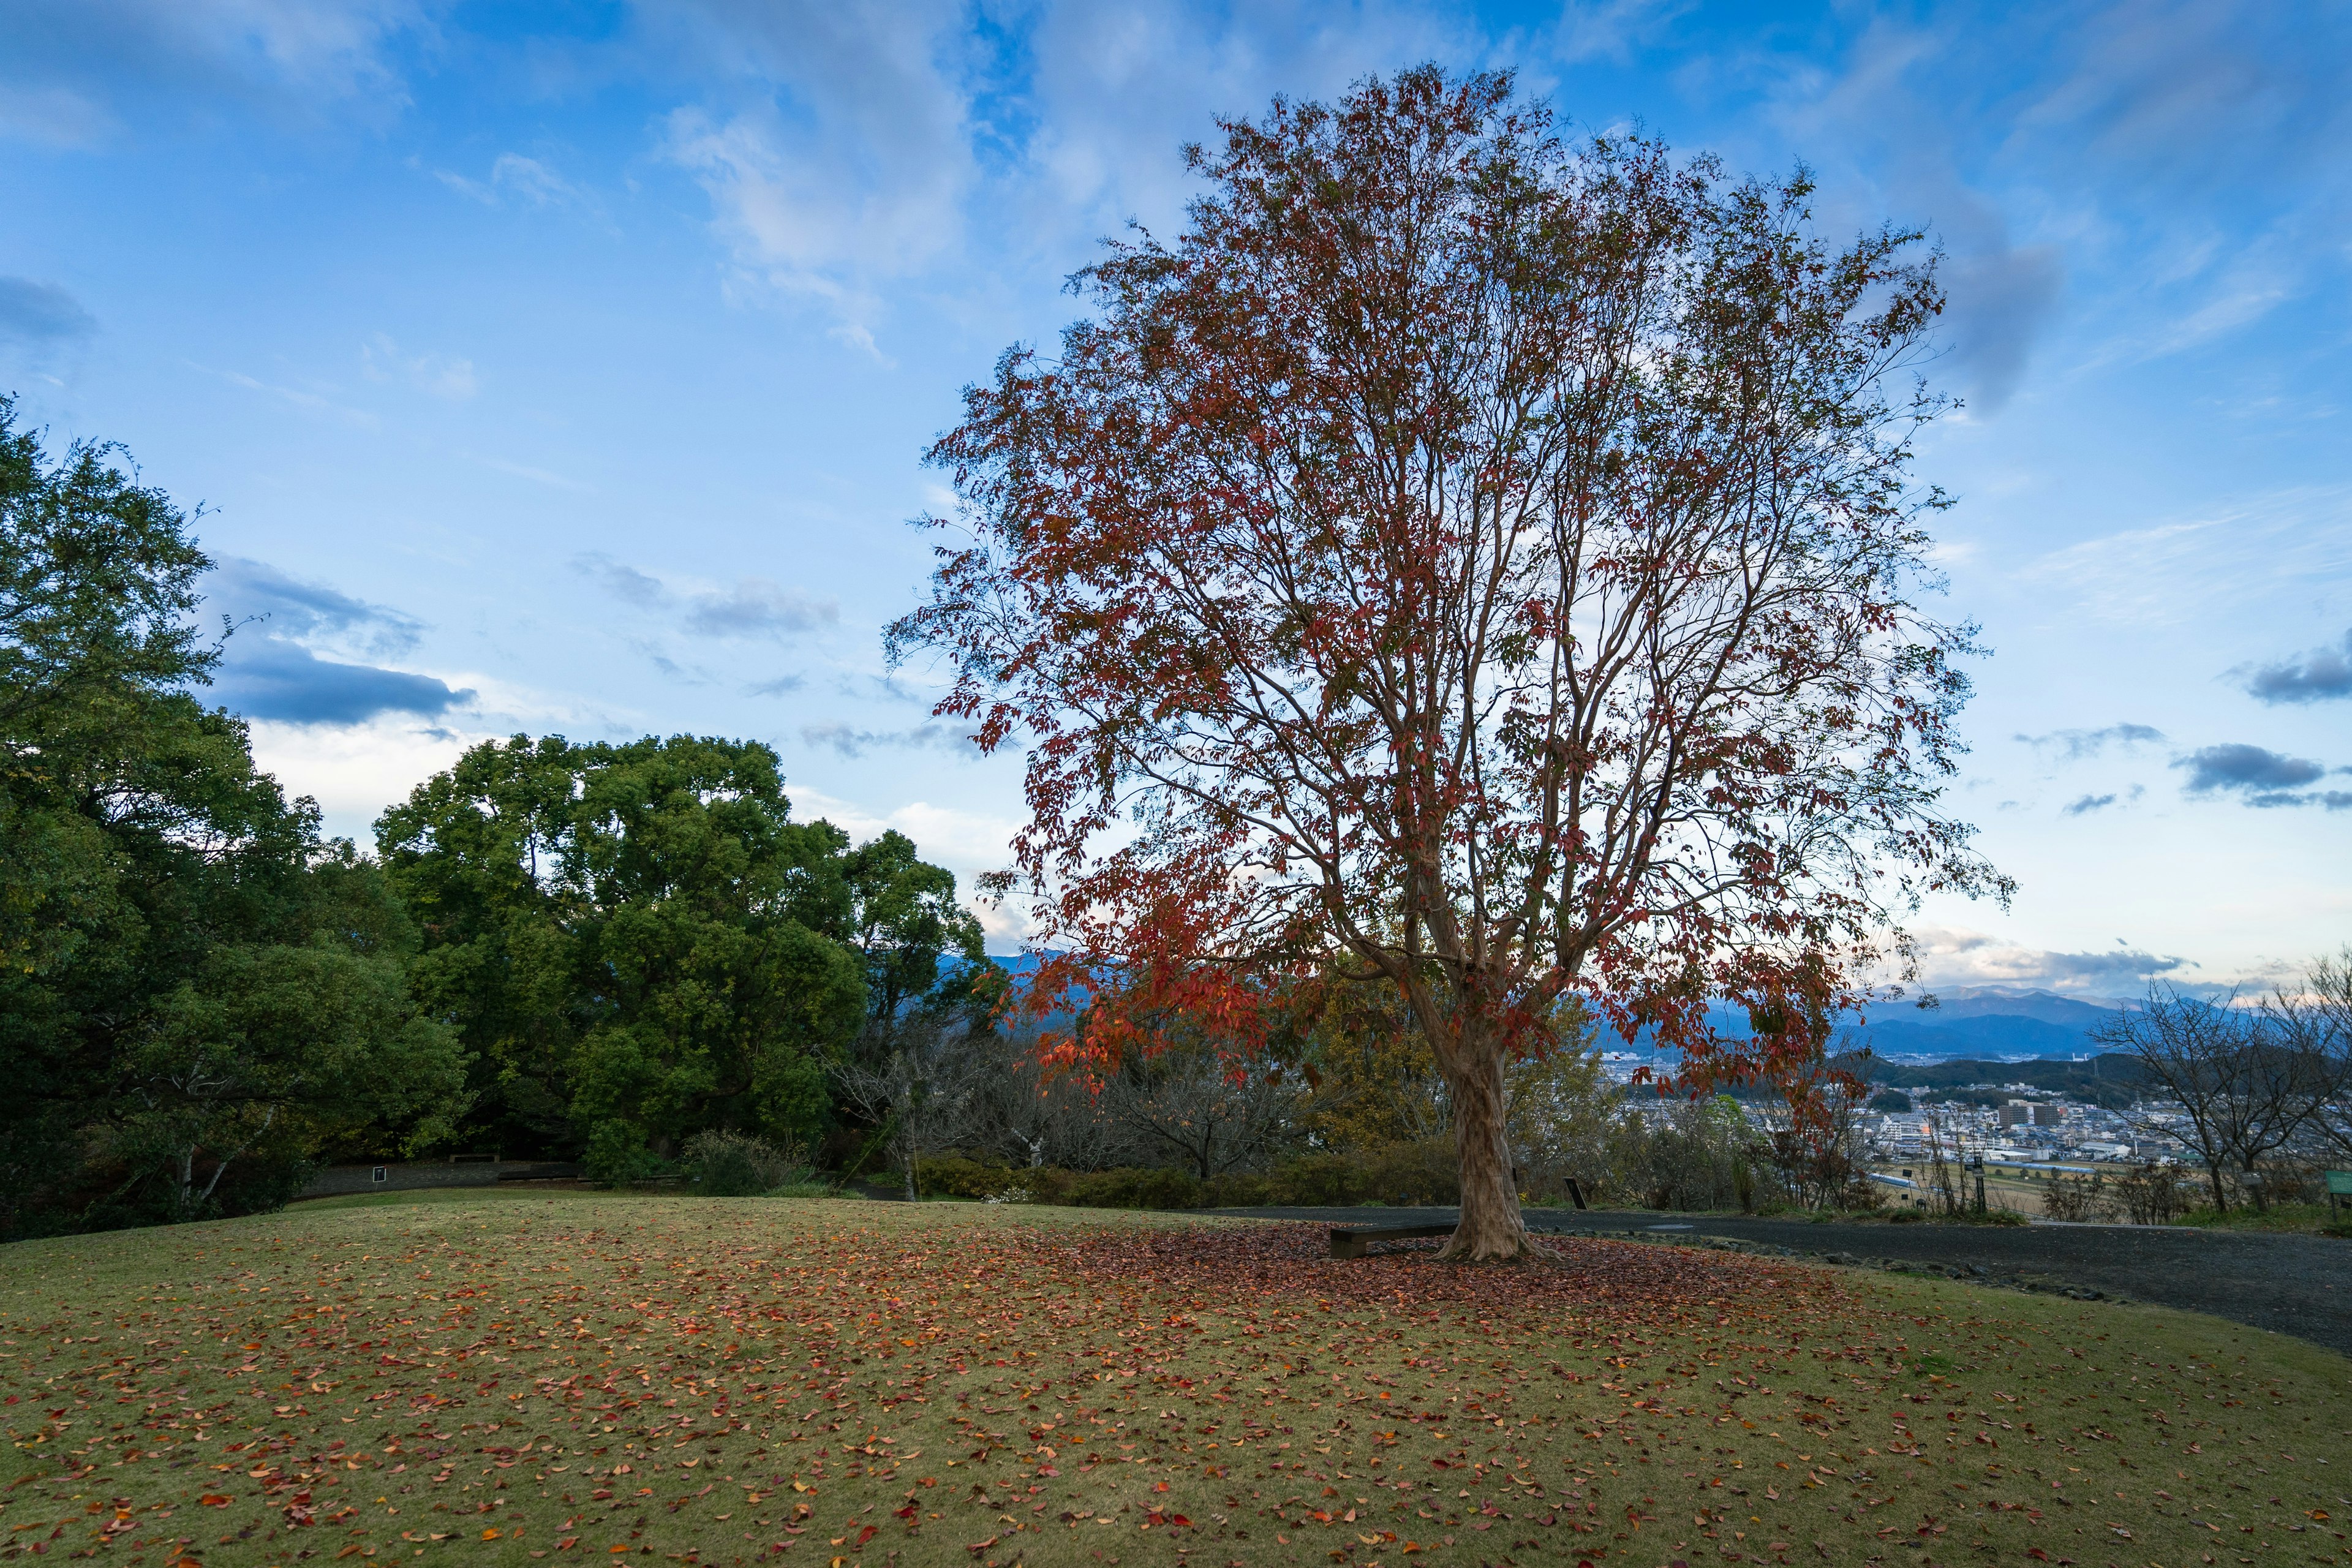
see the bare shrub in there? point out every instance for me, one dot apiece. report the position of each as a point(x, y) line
point(2075, 1197)
point(2150, 1193)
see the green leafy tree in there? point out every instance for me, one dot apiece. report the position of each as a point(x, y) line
point(273, 1049)
point(152, 878)
point(637, 941)
point(919, 944)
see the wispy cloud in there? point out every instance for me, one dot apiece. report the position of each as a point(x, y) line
point(442, 375)
point(2189, 570)
point(746, 608)
point(537, 475)
point(526, 182)
point(77, 74)
point(2074, 745)
point(39, 315)
point(298, 397)
point(854, 146)
point(851, 163)
point(754, 607)
point(848, 740)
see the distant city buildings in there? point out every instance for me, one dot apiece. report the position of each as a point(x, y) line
point(2027, 1125)
point(2047, 1128)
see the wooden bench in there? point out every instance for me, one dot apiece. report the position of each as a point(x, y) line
point(1356, 1240)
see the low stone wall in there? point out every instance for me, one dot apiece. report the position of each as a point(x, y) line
point(335, 1180)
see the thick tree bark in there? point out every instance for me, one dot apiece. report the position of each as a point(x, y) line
point(1491, 1230)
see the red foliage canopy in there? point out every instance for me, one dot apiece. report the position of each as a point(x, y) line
point(1476, 562)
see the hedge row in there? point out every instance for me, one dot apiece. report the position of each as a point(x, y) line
point(1406, 1173)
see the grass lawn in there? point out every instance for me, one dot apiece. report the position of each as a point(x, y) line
point(2309, 1218)
point(505, 1378)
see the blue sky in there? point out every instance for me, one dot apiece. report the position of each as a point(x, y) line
point(566, 367)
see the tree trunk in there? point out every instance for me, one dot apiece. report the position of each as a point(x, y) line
point(1491, 1230)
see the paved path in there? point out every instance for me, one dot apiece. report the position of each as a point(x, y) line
point(2299, 1285)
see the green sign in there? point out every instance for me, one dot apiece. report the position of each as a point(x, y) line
point(2340, 1183)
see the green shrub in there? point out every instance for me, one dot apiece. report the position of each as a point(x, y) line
point(1318, 1181)
point(1402, 1173)
point(617, 1156)
point(735, 1166)
point(1236, 1190)
point(1133, 1189)
point(957, 1176)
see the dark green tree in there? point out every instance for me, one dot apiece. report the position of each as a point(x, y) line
point(636, 941)
point(920, 946)
point(157, 891)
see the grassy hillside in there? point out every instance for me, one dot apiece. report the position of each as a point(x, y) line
point(721, 1381)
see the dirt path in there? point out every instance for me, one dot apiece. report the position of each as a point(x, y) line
point(2299, 1285)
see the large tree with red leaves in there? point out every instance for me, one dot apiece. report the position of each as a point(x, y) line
point(1475, 560)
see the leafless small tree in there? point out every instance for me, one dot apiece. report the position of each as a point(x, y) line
point(1201, 1109)
point(1033, 1116)
point(1945, 1178)
point(2077, 1198)
point(921, 1076)
point(2320, 1020)
point(2150, 1193)
point(2249, 1080)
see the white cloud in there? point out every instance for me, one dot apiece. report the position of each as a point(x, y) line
point(2268, 549)
point(356, 771)
point(966, 842)
point(442, 375)
point(849, 159)
point(299, 397)
point(73, 74)
point(1953, 955)
point(858, 144)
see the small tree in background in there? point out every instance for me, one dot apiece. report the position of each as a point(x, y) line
point(1474, 563)
point(2252, 1080)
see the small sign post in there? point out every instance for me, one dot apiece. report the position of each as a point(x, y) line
point(2339, 1187)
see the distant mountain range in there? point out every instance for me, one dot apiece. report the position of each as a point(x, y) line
point(1979, 1023)
point(1972, 1023)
